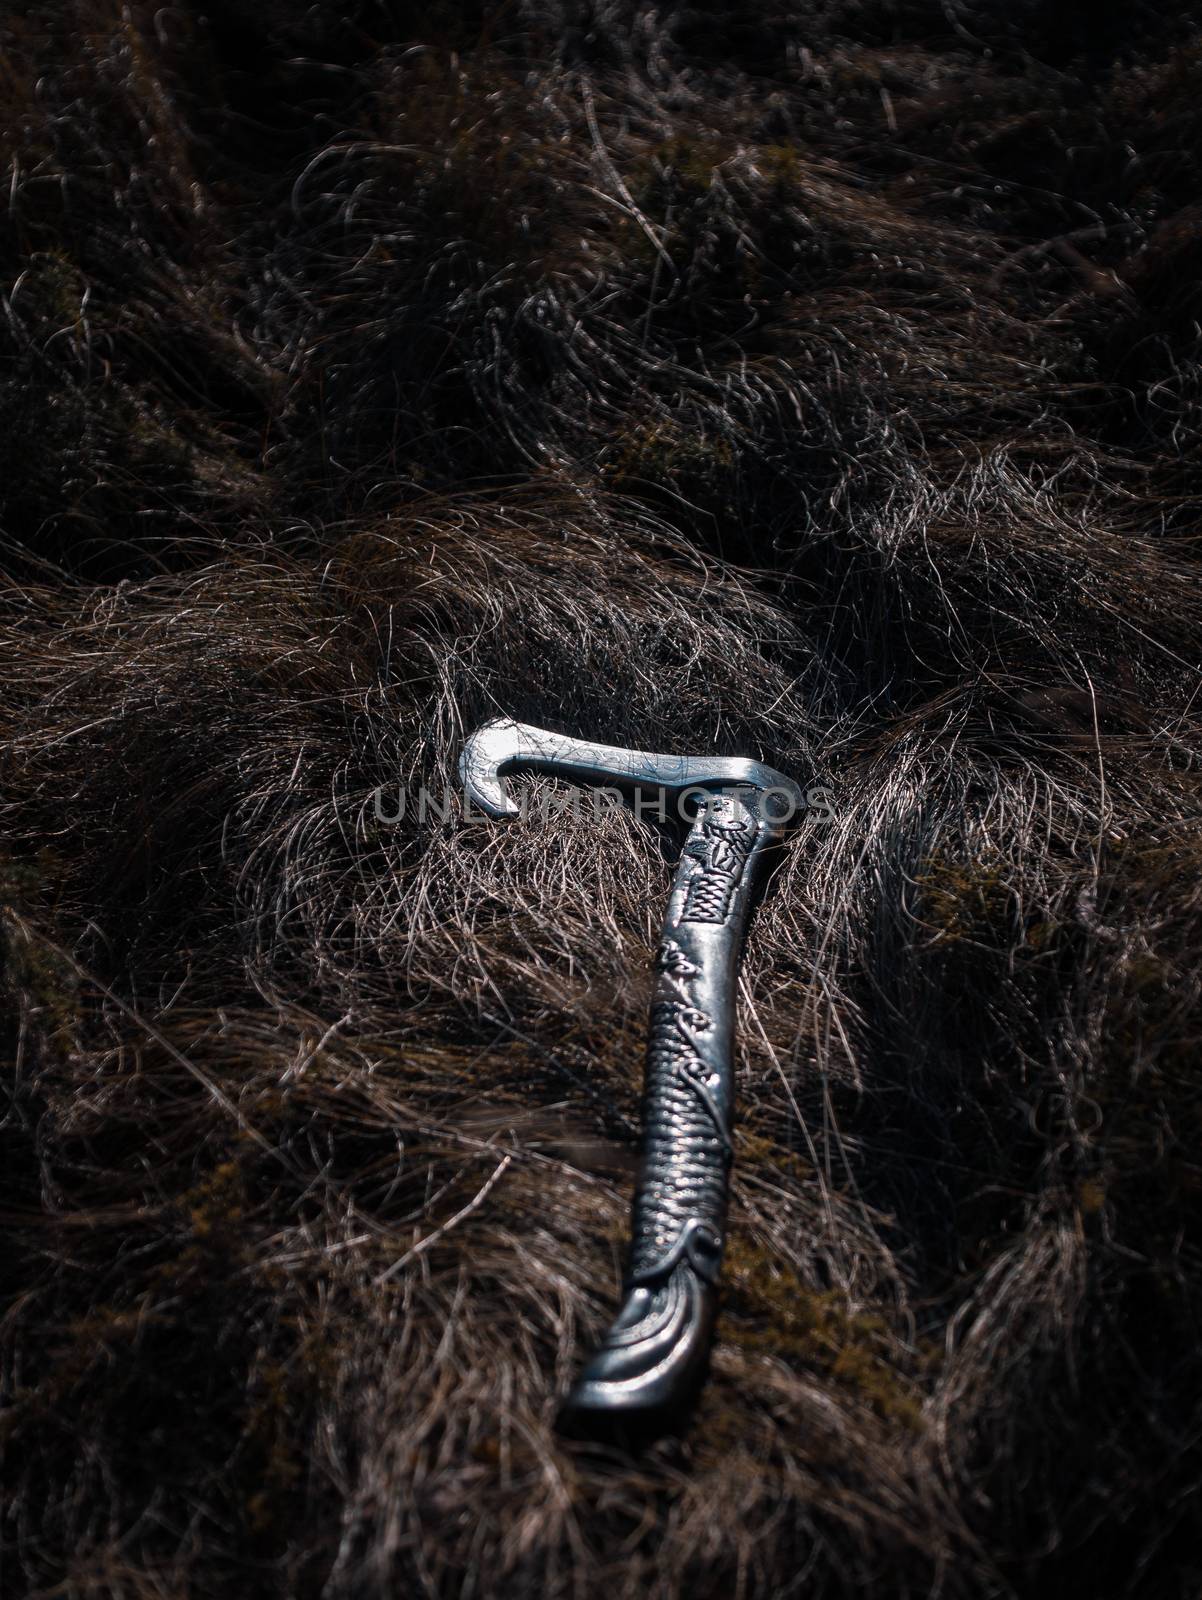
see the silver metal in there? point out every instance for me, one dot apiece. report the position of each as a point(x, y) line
point(501, 746)
point(655, 1351)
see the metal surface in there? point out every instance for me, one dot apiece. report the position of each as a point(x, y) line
point(502, 746)
point(655, 1351)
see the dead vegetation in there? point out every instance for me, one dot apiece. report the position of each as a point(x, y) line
point(821, 383)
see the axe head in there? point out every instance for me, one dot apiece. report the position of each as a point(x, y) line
point(503, 746)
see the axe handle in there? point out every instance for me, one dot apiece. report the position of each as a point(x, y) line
point(655, 1351)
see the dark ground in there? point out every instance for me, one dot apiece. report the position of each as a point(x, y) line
point(818, 382)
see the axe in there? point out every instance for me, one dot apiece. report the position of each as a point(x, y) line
point(654, 1354)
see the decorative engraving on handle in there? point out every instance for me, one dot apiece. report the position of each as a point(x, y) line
point(658, 1343)
point(675, 1026)
point(671, 958)
point(722, 851)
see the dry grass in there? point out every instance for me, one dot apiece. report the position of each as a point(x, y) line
point(819, 383)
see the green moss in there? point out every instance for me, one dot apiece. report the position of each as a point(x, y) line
point(692, 163)
point(768, 1310)
point(1091, 1196)
point(214, 1211)
point(720, 1431)
point(273, 1463)
point(53, 288)
point(1042, 933)
point(963, 899)
point(214, 1206)
point(761, 1150)
point(781, 165)
point(683, 458)
point(690, 166)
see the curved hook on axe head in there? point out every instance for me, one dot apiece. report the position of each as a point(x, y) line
point(503, 745)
